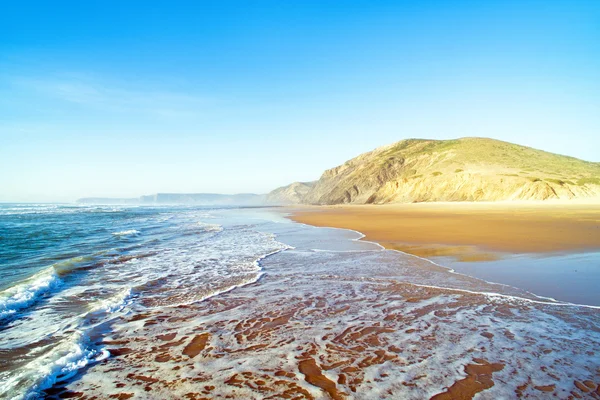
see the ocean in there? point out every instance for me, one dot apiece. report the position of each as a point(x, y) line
point(207, 302)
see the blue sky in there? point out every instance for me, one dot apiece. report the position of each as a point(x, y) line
point(103, 98)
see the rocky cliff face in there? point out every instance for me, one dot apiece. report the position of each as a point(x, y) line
point(468, 169)
point(290, 194)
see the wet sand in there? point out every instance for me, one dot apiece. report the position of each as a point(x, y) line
point(339, 324)
point(380, 339)
point(372, 340)
point(467, 231)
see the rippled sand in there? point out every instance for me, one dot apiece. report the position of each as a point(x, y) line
point(329, 322)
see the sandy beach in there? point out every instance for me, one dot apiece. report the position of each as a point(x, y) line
point(467, 231)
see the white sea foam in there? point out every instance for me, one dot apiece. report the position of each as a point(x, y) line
point(59, 364)
point(210, 227)
point(203, 267)
point(249, 281)
point(45, 209)
point(115, 303)
point(434, 331)
point(26, 292)
point(431, 336)
point(130, 232)
point(64, 360)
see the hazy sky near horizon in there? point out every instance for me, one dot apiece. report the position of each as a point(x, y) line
point(123, 98)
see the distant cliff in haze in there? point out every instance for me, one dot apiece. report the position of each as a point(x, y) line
point(181, 198)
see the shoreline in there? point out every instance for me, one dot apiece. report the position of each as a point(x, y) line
point(545, 265)
point(534, 299)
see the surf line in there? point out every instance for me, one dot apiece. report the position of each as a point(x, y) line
point(259, 275)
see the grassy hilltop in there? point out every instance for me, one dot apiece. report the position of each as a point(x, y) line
point(467, 169)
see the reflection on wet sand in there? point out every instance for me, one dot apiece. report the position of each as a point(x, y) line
point(459, 253)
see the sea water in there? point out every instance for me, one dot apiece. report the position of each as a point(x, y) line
point(192, 302)
point(66, 271)
point(572, 277)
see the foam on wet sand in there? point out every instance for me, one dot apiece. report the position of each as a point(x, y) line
point(353, 321)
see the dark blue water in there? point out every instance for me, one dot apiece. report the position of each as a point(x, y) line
point(35, 237)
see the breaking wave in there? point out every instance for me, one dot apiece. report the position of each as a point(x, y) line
point(25, 293)
point(130, 232)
